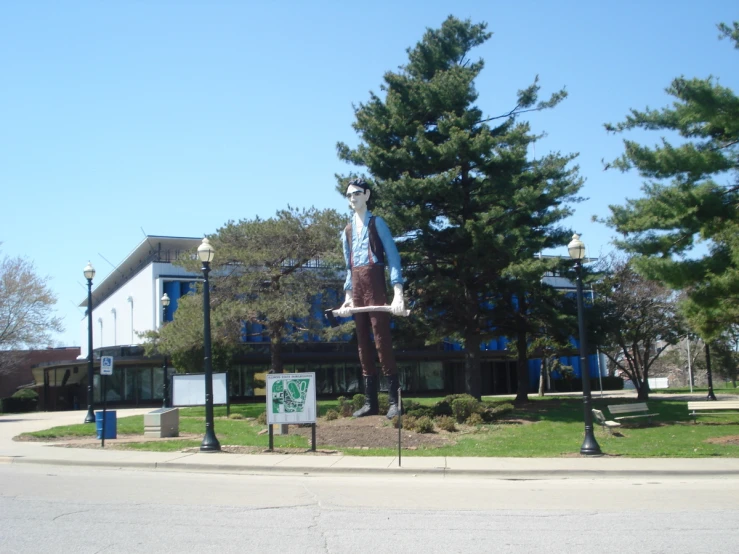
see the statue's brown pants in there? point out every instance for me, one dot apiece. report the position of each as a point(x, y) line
point(368, 289)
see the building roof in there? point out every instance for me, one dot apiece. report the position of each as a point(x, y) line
point(152, 249)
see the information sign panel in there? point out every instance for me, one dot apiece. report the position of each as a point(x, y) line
point(291, 398)
point(189, 389)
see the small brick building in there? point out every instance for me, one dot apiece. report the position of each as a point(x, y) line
point(25, 360)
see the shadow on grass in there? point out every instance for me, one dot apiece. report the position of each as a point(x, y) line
point(570, 410)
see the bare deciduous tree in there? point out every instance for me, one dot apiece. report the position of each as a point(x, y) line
point(11, 361)
point(26, 306)
point(636, 319)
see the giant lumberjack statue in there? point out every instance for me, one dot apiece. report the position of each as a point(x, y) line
point(368, 249)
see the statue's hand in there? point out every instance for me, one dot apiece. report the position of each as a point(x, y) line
point(397, 307)
point(345, 309)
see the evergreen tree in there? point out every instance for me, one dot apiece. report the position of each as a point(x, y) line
point(692, 197)
point(267, 272)
point(470, 207)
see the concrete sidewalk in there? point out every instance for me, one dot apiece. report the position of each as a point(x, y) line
point(14, 452)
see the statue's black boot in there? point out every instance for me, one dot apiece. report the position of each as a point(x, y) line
point(371, 406)
point(392, 395)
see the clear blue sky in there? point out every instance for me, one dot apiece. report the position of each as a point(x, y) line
point(173, 117)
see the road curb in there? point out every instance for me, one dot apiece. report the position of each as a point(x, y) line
point(81, 463)
point(504, 474)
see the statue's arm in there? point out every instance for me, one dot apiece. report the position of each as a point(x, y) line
point(344, 310)
point(392, 259)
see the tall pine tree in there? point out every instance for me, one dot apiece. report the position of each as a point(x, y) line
point(470, 206)
point(692, 197)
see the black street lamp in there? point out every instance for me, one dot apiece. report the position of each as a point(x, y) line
point(165, 378)
point(89, 272)
point(590, 445)
point(210, 442)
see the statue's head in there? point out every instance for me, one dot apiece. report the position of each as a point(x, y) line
point(358, 193)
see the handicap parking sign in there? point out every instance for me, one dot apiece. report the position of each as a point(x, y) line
point(106, 365)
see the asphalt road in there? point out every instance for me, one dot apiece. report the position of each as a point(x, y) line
point(83, 510)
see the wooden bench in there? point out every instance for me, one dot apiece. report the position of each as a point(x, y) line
point(601, 420)
point(631, 411)
point(711, 407)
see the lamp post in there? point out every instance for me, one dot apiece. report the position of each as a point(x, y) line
point(210, 442)
point(590, 445)
point(165, 378)
point(711, 395)
point(89, 273)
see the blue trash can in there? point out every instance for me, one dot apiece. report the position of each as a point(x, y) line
point(111, 424)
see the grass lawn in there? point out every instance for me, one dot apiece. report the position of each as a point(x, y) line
point(547, 427)
point(719, 388)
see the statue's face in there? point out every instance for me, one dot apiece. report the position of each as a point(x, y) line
point(357, 197)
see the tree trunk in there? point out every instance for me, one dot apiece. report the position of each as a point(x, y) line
point(522, 369)
point(275, 350)
point(644, 388)
point(472, 378)
point(542, 375)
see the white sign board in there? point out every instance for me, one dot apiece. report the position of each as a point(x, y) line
point(654, 383)
point(291, 398)
point(189, 390)
point(106, 365)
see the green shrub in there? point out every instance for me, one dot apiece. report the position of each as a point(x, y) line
point(417, 410)
point(409, 422)
point(491, 412)
point(424, 425)
point(344, 406)
point(474, 419)
point(443, 408)
point(357, 401)
point(395, 422)
point(446, 423)
point(383, 402)
point(14, 405)
point(331, 415)
point(502, 409)
point(409, 405)
point(25, 393)
point(236, 415)
point(452, 397)
point(262, 418)
point(464, 406)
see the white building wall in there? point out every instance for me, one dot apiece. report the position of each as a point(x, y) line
point(134, 308)
point(132, 305)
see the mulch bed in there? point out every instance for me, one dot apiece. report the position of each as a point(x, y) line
point(371, 432)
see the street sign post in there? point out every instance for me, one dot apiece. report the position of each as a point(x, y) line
point(106, 368)
point(106, 365)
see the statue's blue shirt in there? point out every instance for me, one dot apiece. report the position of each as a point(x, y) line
point(360, 248)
